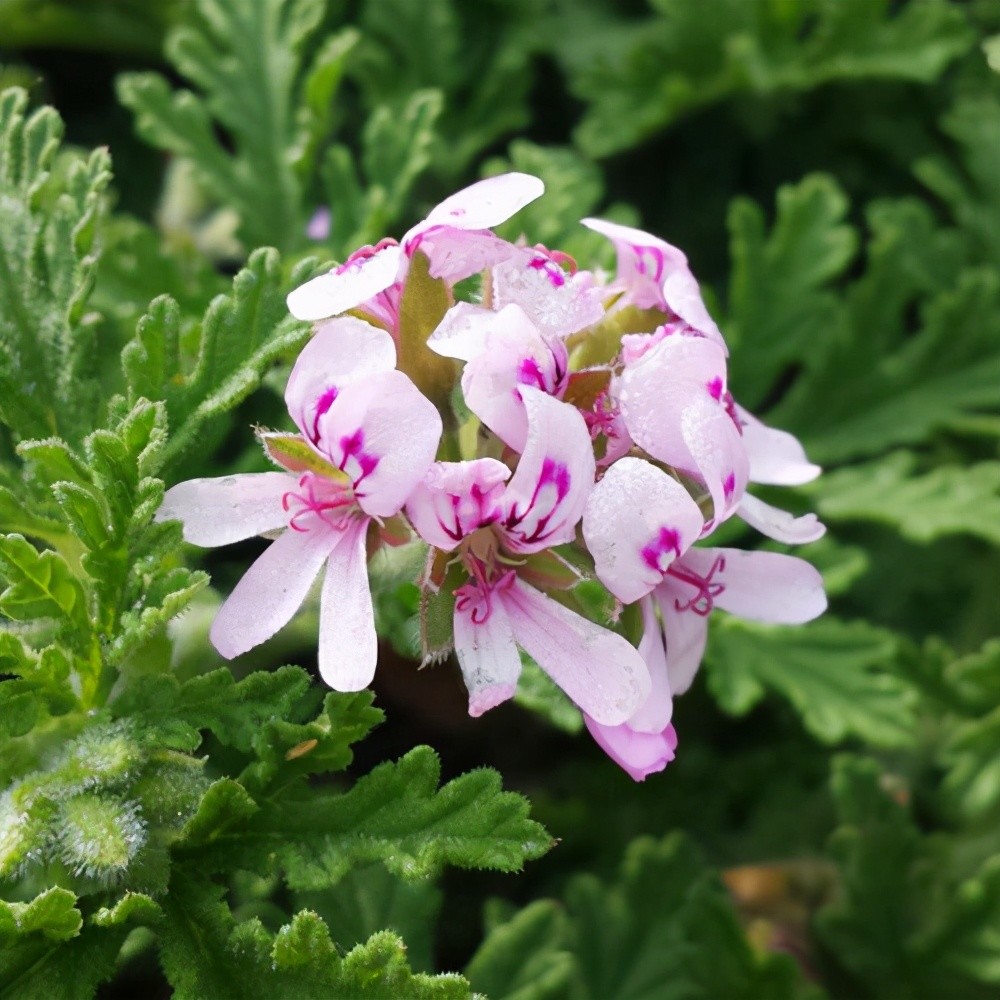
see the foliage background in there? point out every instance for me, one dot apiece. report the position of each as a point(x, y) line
point(830, 826)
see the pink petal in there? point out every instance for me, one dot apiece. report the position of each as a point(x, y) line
point(636, 521)
point(764, 586)
point(454, 254)
point(644, 261)
point(343, 351)
point(776, 457)
point(558, 304)
point(545, 499)
point(348, 646)
point(639, 754)
point(686, 633)
point(463, 331)
point(598, 669)
point(229, 509)
point(716, 447)
point(383, 433)
point(672, 404)
point(346, 286)
point(456, 498)
point(515, 355)
point(683, 297)
point(657, 710)
point(486, 203)
point(779, 524)
point(488, 657)
point(271, 590)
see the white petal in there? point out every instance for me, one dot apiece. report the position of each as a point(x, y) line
point(487, 203)
point(598, 669)
point(463, 331)
point(632, 518)
point(271, 590)
point(488, 657)
point(348, 646)
point(720, 458)
point(345, 287)
point(683, 296)
point(779, 524)
point(776, 457)
point(764, 586)
point(686, 633)
point(228, 509)
point(657, 710)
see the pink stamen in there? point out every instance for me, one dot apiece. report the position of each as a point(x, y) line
point(478, 593)
point(311, 502)
point(702, 602)
point(364, 253)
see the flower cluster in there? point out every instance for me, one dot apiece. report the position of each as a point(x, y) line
point(537, 426)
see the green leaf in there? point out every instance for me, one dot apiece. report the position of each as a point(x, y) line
point(833, 673)
point(233, 711)
point(371, 899)
point(239, 339)
point(639, 76)
point(664, 929)
point(396, 815)
point(49, 358)
point(478, 61)
point(972, 193)
point(857, 404)
point(205, 953)
point(39, 585)
point(947, 500)
point(53, 914)
point(907, 921)
point(247, 59)
point(524, 958)
point(779, 296)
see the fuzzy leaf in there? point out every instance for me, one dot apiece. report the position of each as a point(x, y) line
point(832, 672)
point(205, 953)
point(49, 358)
point(233, 711)
point(240, 337)
point(247, 59)
point(396, 815)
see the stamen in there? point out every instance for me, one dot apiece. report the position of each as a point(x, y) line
point(362, 254)
point(309, 502)
point(703, 602)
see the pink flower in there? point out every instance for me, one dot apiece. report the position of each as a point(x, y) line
point(455, 237)
point(494, 527)
point(371, 437)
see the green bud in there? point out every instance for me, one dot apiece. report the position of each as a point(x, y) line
point(99, 835)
